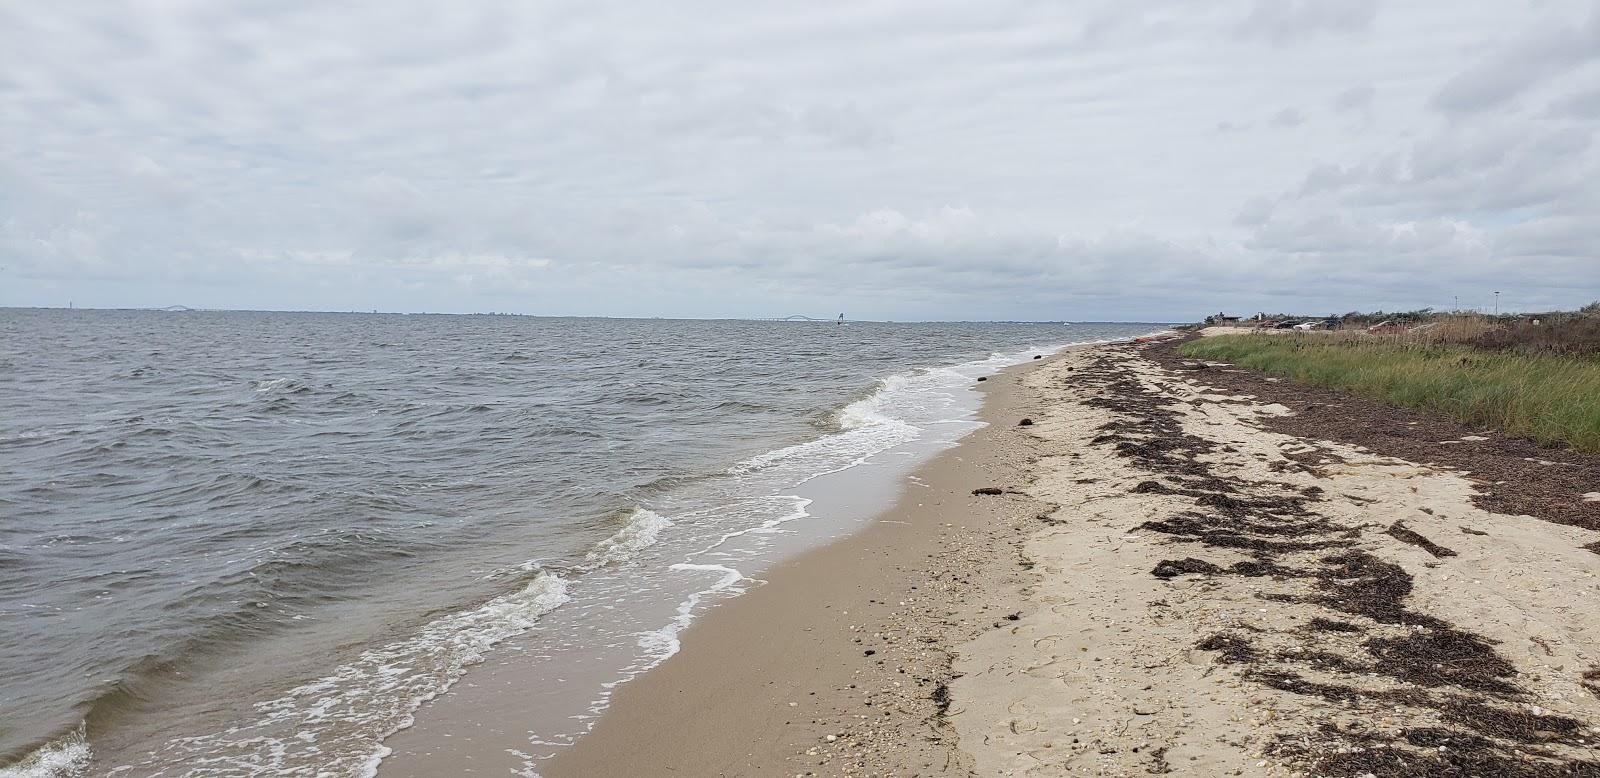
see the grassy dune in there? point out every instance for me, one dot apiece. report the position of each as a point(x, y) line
point(1547, 397)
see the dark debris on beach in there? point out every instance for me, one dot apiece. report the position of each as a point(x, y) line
point(1517, 476)
point(1367, 650)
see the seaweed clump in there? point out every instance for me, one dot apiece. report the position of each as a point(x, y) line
point(1399, 531)
point(1233, 648)
point(1172, 568)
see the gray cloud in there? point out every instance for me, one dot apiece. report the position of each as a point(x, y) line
point(1288, 21)
point(1254, 213)
point(1582, 105)
point(1356, 98)
point(896, 159)
point(1554, 49)
point(1288, 118)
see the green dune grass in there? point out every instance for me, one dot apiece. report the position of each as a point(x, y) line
point(1550, 398)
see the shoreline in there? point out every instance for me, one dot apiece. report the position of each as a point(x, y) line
point(550, 694)
point(1164, 585)
point(836, 662)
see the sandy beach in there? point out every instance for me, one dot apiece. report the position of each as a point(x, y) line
point(1187, 569)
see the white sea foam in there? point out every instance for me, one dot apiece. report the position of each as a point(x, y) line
point(67, 757)
point(869, 411)
point(642, 530)
point(339, 721)
point(767, 526)
point(273, 384)
point(663, 643)
point(871, 424)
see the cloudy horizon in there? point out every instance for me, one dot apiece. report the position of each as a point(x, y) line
point(891, 160)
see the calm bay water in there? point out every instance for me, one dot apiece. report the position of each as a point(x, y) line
point(254, 543)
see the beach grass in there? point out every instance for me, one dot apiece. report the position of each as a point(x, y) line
point(1551, 398)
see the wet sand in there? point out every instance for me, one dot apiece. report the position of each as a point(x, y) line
point(839, 662)
point(1179, 576)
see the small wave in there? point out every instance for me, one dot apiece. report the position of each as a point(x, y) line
point(340, 720)
point(740, 406)
point(667, 483)
point(554, 432)
point(651, 400)
point(12, 560)
point(862, 428)
point(642, 530)
point(53, 433)
point(221, 490)
point(282, 385)
point(65, 758)
point(869, 411)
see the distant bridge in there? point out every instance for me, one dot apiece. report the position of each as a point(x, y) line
point(799, 317)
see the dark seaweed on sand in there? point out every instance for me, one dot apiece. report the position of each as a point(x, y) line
point(1371, 654)
point(1320, 624)
point(1404, 534)
point(1172, 568)
point(1232, 648)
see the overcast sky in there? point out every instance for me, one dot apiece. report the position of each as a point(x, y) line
point(1005, 159)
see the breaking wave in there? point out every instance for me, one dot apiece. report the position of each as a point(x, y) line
point(65, 758)
point(642, 530)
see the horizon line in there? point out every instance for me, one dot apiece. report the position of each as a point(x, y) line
point(375, 312)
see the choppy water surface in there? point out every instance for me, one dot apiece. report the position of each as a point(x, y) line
point(254, 543)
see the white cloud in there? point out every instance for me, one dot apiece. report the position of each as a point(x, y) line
point(1007, 159)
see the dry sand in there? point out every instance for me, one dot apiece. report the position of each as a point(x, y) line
point(1165, 585)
